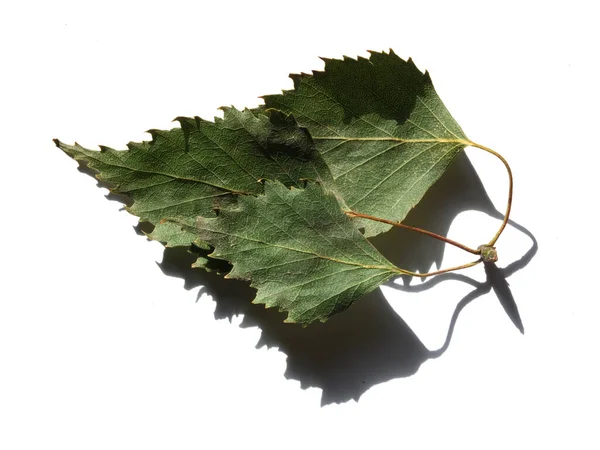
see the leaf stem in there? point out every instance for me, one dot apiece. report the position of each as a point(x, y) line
point(433, 235)
point(445, 239)
point(438, 272)
point(418, 230)
point(510, 189)
point(464, 142)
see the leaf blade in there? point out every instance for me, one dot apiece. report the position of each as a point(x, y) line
point(189, 171)
point(301, 252)
point(381, 128)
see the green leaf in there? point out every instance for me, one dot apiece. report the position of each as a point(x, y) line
point(381, 128)
point(189, 171)
point(301, 252)
point(363, 137)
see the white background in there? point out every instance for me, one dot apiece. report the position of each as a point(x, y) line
point(100, 350)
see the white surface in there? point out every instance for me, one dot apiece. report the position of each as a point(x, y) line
point(99, 349)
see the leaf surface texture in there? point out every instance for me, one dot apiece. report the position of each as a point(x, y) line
point(366, 135)
point(301, 252)
point(381, 128)
point(187, 172)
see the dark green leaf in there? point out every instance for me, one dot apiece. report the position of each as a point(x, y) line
point(381, 128)
point(189, 171)
point(366, 135)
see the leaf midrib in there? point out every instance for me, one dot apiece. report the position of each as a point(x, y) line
point(292, 249)
point(394, 139)
point(155, 172)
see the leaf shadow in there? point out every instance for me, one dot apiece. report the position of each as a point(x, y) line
point(369, 343)
point(344, 356)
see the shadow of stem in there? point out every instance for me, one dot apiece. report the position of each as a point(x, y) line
point(496, 280)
